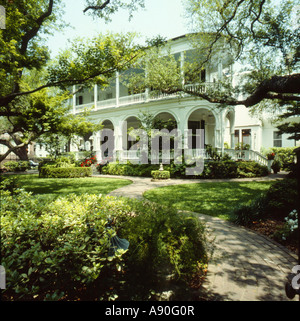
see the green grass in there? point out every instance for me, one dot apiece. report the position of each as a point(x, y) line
point(64, 186)
point(214, 199)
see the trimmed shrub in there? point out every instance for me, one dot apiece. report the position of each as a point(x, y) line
point(17, 166)
point(160, 174)
point(212, 169)
point(65, 172)
point(219, 169)
point(251, 169)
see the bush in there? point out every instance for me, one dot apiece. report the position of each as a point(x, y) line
point(252, 211)
point(212, 169)
point(60, 249)
point(65, 172)
point(286, 156)
point(143, 170)
point(277, 202)
point(220, 169)
point(160, 174)
point(251, 169)
point(290, 230)
point(163, 240)
point(17, 166)
point(9, 184)
point(53, 250)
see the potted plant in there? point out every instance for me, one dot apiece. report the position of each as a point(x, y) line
point(276, 166)
point(271, 156)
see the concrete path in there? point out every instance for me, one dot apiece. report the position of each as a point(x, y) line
point(245, 265)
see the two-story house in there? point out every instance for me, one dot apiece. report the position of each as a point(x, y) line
point(118, 108)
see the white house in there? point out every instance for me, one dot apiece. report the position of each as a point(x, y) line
point(115, 105)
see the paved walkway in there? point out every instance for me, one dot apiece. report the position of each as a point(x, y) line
point(245, 265)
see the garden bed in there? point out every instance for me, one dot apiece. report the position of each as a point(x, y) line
point(270, 228)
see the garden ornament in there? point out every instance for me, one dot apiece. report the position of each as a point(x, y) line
point(116, 243)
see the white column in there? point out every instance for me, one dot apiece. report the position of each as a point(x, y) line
point(74, 99)
point(182, 66)
point(95, 96)
point(117, 88)
point(220, 69)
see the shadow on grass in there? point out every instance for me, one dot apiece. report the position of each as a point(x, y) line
point(64, 186)
point(214, 199)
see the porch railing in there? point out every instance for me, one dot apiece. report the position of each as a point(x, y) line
point(141, 98)
point(246, 155)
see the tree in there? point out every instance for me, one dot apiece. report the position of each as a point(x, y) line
point(262, 29)
point(42, 113)
point(254, 33)
point(30, 109)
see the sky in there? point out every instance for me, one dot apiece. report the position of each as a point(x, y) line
point(159, 17)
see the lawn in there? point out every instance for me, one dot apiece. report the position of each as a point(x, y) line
point(64, 186)
point(214, 199)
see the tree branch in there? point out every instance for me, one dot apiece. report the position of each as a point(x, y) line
point(10, 97)
point(34, 30)
point(278, 87)
point(106, 3)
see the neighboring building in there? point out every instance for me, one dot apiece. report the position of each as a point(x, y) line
point(115, 105)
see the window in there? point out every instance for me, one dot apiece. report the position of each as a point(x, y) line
point(109, 95)
point(203, 75)
point(246, 137)
point(277, 139)
point(80, 100)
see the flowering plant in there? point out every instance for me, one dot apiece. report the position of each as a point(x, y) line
point(291, 224)
point(89, 161)
point(271, 156)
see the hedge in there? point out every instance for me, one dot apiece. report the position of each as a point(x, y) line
point(212, 169)
point(65, 172)
point(16, 166)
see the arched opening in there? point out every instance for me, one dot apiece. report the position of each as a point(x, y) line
point(165, 120)
point(129, 124)
point(107, 133)
point(204, 119)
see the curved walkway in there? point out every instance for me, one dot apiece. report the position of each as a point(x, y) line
point(245, 265)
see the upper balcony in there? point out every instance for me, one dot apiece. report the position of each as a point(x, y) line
point(117, 94)
point(80, 104)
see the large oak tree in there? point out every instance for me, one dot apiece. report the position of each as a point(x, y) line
point(27, 107)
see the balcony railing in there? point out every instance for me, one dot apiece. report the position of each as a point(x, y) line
point(141, 98)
